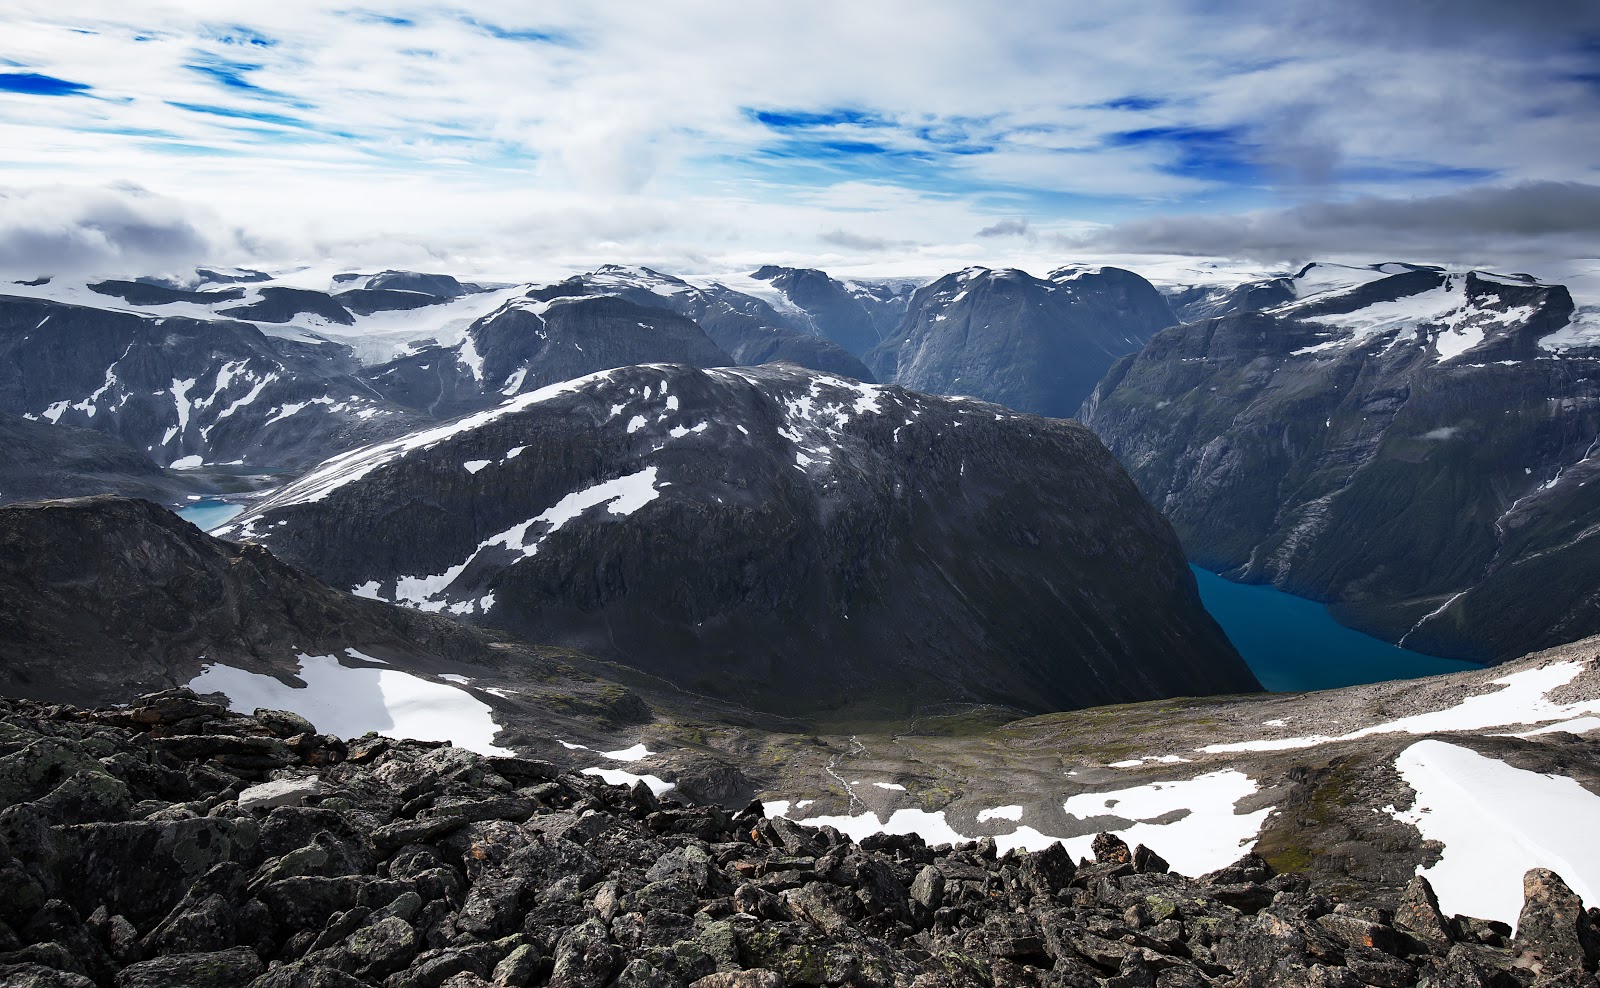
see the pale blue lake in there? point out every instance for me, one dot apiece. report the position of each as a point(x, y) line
point(1292, 644)
point(207, 513)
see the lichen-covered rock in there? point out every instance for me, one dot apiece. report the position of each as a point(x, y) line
point(1554, 933)
point(282, 792)
point(216, 969)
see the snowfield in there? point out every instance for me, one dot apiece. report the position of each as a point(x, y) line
point(1524, 699)
point(1496, 822)
point(349, 702)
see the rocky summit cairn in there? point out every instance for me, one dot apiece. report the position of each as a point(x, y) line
point(174, 843)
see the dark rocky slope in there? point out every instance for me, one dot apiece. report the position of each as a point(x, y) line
point(103, 597)
point(186, 390)
point(1415, 450)
point(796, 541)
point(172, 844)
point(39, 461)
point(1036, 345)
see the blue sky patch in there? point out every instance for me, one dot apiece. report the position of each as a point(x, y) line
point(1135, 103)
point(533, 35)
point(35, 84)
point(802, 120)
point(233, 113)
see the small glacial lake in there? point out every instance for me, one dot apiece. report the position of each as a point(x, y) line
point(208, 513)
point(1292, 644)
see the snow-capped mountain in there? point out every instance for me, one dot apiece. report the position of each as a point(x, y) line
point(856, 315)
point(185, 391)
point(1412, 445)
point(794, 540)
point(538, 339)
point(1036, 345)
point(750, 329)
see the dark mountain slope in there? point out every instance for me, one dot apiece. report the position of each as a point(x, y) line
point(104, 597)
point(535, 341)
point(750, 330)
point(39, 461)
point(857, 317)
point(790, 539)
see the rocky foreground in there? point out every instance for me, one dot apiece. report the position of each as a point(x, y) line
point(173, 843)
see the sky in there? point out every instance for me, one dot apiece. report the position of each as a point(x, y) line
point(514, 138)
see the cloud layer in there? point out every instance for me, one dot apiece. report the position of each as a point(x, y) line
point(1527, 220)
point(830, 130)
point(56, 230)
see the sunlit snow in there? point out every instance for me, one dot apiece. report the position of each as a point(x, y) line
point(1496, 822)
point(349, 702)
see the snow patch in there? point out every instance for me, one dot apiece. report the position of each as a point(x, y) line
point(1522, 700)
point(1496, 822)
point(349, 702)
point(617, 777)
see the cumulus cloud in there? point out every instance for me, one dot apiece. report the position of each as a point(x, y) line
point(1549, 219)
point(120, 229)
point(1006, 228)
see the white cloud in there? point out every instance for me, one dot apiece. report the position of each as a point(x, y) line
point(108, 230)
point(635, 128)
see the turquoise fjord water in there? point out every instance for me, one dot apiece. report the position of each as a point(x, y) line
point(1292, 644)
point(207, 513)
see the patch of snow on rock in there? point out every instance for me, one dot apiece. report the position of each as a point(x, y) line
point(617, 777)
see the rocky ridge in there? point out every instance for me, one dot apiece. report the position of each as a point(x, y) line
point(103, 597)
point(173, 843)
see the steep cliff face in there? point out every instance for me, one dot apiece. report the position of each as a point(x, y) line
point(1413, 446)
point(105, 597)
point(1036, 345)
point(793, 540)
